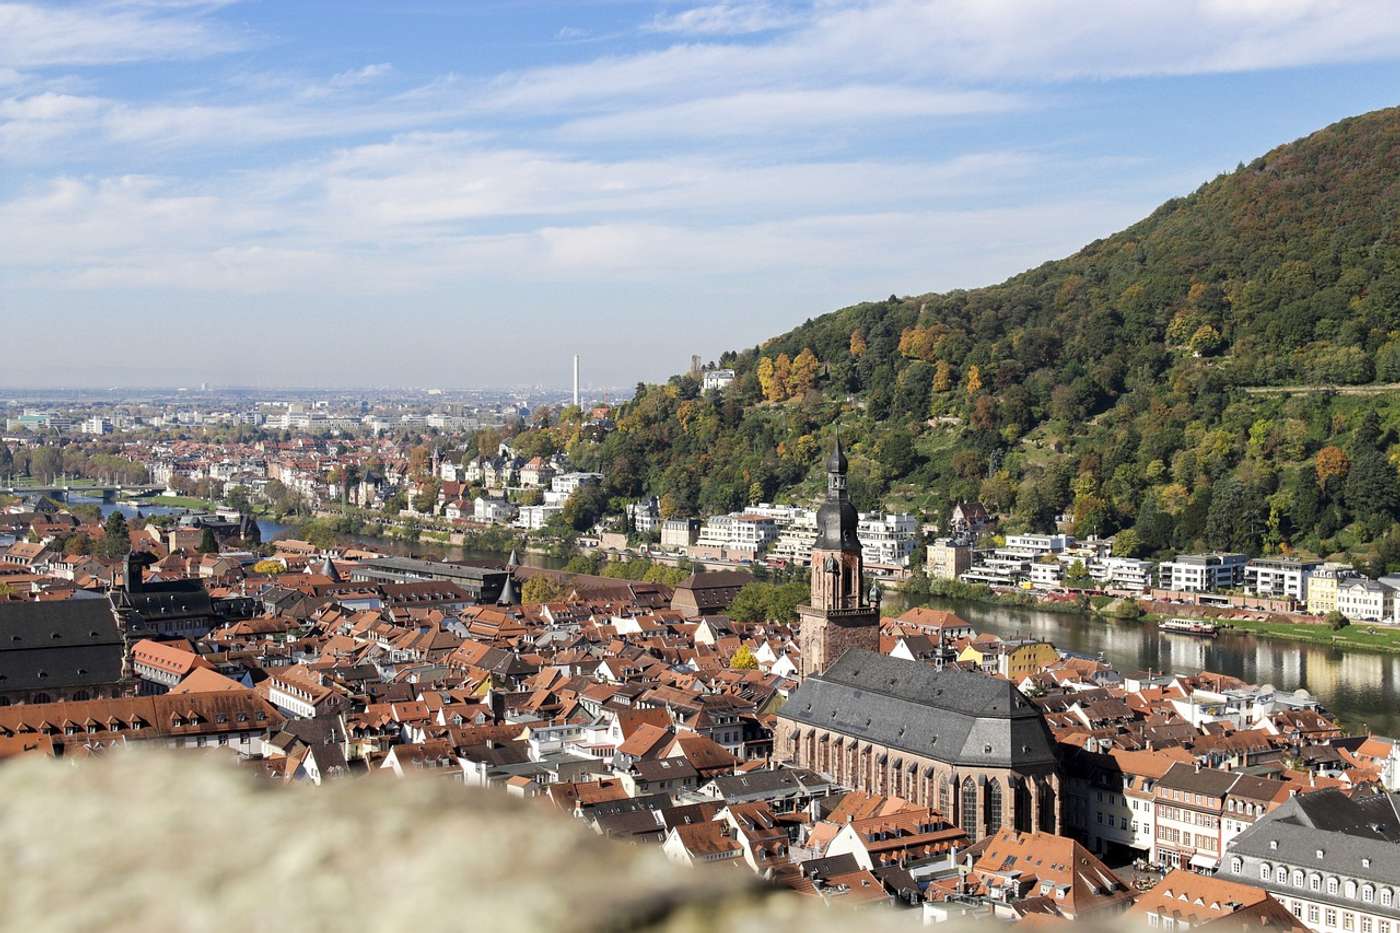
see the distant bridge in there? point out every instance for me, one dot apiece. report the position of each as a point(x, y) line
point(107, 492)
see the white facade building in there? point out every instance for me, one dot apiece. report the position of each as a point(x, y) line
point(1279, 577)
point(1202, 573)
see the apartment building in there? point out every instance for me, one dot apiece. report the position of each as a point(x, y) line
point(887, 540)
point(1323, 584)
point(740, 536)
point(1285, 577)
point(948, 560)
point(1187, 809)
point(1202, 573)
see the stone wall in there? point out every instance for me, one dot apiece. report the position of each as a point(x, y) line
point(153, 841)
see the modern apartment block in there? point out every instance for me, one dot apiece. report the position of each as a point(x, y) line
point(1201, 573)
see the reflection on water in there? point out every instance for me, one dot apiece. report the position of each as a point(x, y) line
point(269, 529)
point(1358, 686)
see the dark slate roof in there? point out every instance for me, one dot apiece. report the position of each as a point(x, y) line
point(953, 716)
point(1206, 781)
point(774, 782)
point(1328, 832)
point(716, 579)
point(172, 599)
point(58, 645)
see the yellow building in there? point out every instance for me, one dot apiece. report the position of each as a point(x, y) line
point(1323, 584)
point(1014, 661)
point(1021, 661)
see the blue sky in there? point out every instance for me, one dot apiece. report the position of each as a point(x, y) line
point(416, 193)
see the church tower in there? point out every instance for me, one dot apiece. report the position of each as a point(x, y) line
point(839, 616)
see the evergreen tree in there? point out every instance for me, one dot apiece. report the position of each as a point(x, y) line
point(116, 537)
point(208, 544)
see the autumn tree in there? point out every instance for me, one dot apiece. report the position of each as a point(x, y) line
point(768, 380)
point(942, 377)
point(920, 343)
point(802, 375)
point(974, 380)
point(858, 344)
point(541, 590)
point(1332, 463)
point(743, 659)
point(782, 372)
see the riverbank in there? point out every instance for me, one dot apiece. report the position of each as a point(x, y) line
point(904, 598)
point(173, 502)
point(1359, 636)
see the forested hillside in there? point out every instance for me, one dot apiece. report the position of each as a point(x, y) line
point(1111, 385)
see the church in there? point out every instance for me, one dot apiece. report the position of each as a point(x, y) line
point(970, 746)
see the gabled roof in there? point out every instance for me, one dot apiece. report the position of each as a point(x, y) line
point(950, 715)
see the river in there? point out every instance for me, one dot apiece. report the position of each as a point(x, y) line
point(267, 527)
point(1362, 688)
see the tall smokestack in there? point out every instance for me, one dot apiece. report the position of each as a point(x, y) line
point(576, 401)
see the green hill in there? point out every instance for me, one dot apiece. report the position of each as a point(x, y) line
point(1120, 386)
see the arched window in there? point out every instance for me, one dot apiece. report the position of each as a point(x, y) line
point(1368, 894)
point(1387, 897)
point(993, 807)
point(1236, 865)
point(1332, 885)
point(1266, 871)
point(1297, 877)
point(1023, 807)
point(968, 809)
point(1350, 888)
point(945, 798)
point(1282, 876)
point(1048, 804)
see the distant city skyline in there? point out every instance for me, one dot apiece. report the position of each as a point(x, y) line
point(468, 193)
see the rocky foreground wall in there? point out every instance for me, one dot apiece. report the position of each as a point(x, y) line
point(155, 842)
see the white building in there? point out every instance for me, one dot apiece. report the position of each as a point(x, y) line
point(1122, 573)
point(1285, 577)
point(887, 540)
point(496, 511)
point(1365, 600)
point(566, 484)
point(717, 379)
point(1036, 545)
point(1202, 573)
point(535, 517)
point(742, 535)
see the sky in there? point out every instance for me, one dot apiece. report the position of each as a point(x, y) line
point(421, 193)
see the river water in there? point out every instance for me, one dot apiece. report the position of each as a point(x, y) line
point(269, 529)
point(1362, 688)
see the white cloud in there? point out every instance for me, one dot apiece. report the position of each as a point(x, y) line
point(775, 111)
point(725, 19)
point(37, 36)
point(359, 76)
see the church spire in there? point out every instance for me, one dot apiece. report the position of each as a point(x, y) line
point(837, 518)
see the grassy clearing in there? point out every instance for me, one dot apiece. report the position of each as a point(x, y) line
point(1361, 636)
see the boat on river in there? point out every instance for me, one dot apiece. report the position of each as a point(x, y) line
point(1190, 627)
